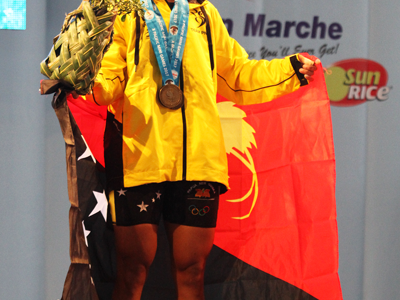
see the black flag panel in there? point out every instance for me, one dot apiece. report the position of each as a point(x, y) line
point(91, 240)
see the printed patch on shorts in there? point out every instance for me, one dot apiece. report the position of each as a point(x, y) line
point(199, 211)
point(201, 191)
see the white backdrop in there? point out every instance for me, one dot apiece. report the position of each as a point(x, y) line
point(34, 240)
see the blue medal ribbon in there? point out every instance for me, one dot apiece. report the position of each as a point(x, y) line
point(168, 45)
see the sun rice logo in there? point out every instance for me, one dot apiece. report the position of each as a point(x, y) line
point(355, 81)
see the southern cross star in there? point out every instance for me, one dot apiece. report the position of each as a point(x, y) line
point(101, 204)
point(121, 192)
point(85, 232)
point(87, 152)
point(143, 207)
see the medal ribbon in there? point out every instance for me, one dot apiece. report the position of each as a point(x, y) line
point(168, 47)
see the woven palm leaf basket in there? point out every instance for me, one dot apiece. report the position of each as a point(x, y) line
point(77, 52)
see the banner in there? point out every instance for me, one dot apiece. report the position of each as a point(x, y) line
point(280, 214)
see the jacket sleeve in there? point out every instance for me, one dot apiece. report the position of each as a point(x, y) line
point(245, 81)
point(110, 82)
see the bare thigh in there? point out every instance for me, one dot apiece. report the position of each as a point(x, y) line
point(190, 247)
point(136, 243)
point(136, 247)
point(189, 243)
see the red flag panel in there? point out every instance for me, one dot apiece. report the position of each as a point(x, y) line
point(280, 214)
point(91, 119)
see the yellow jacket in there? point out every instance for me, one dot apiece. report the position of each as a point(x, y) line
point(146, 142)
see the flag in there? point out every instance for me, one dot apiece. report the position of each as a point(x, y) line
point(276, 236)
point(278, 222)
point(92, 252)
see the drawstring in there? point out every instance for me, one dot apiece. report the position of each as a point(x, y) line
point(209, 39)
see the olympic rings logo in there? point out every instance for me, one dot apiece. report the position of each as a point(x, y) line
point(201, 212)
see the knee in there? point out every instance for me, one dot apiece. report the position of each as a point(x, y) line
point(191, 273)
point(130, 281)
point(134, 265)
point(133, 274)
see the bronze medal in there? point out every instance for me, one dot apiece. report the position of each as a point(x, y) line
point(170, 96)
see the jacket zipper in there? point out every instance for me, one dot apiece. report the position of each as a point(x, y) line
point(209, 39)
point(184, 140)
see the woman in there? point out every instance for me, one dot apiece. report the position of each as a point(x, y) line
point(165, 154)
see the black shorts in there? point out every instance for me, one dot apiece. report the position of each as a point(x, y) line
point(191, 203)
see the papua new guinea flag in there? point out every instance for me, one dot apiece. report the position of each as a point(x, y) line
point(92, 253)
point(276, 235)
point(277, 225)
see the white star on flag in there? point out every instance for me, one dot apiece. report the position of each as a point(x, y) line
point(121, 192)
point(158, 195)
point(85, 232)
point(154, 200)
point(143, 207)
point(87, 152)
point(101, 204)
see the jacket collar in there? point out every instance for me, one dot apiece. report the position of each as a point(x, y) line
point(191, 5)
point(196, 5)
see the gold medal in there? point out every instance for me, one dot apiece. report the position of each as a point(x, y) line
point(170, 96)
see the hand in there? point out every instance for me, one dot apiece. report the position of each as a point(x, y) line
point(308, 67)
point(73, 93)
point(111, 28)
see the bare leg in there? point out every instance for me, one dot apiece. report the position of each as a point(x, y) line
point(136, 247)
point(190, 247)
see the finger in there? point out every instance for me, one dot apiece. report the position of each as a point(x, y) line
point(308, 63)
point(315, 59)
point(307, 67)
point(305, 60)
point(75, 95)
point(309, 72)
point(111, 28)
point(308, 77)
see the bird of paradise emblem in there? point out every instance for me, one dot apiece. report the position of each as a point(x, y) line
point(239, 138)
point(202, 193)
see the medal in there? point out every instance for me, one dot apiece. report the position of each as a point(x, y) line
point(170, 96)
point(168, 45)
